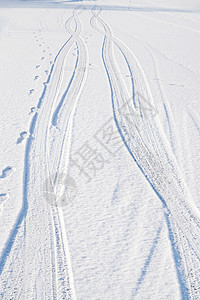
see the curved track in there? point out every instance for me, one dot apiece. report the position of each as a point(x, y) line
point(147, 144)
point(40, 232)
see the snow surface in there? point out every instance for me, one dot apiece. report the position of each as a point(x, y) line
point(100, 143)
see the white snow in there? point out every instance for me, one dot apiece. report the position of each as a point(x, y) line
point(99, 104)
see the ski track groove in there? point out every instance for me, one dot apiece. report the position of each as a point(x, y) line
point(65, 289)
point(59, 117)
point(171, 190)
point(61, 248)
point(66, 114)
point(64, 283)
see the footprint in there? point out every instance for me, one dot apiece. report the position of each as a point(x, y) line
point(33, 109)
point(3, 197)
point(44, 51)
point(42, 58)
point(31, 91)
point(40, 45)
point(51, 62)
point(37, 66)
point(174, 84)
point(36, 77)
point(47, 71)
point(92, 67)
point(23, 134)
point(6, 172)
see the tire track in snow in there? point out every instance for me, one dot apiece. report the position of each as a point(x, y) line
point(65, 114)
point(34, 144)
point(64, 288)
point(62, 116)
point(134, 102)
point(154, 158)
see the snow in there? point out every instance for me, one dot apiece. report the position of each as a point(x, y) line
point(99, 101)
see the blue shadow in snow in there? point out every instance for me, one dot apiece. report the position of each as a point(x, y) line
point(6, 172)
point(73, 4)
point(24, 209)
point(176, 254)
point(147, 263)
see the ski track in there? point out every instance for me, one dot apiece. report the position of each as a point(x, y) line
point(150, 48)
point(63, 116)
point(156, 162)
point(145, 142)
point(63, 272)
point(55, 112)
